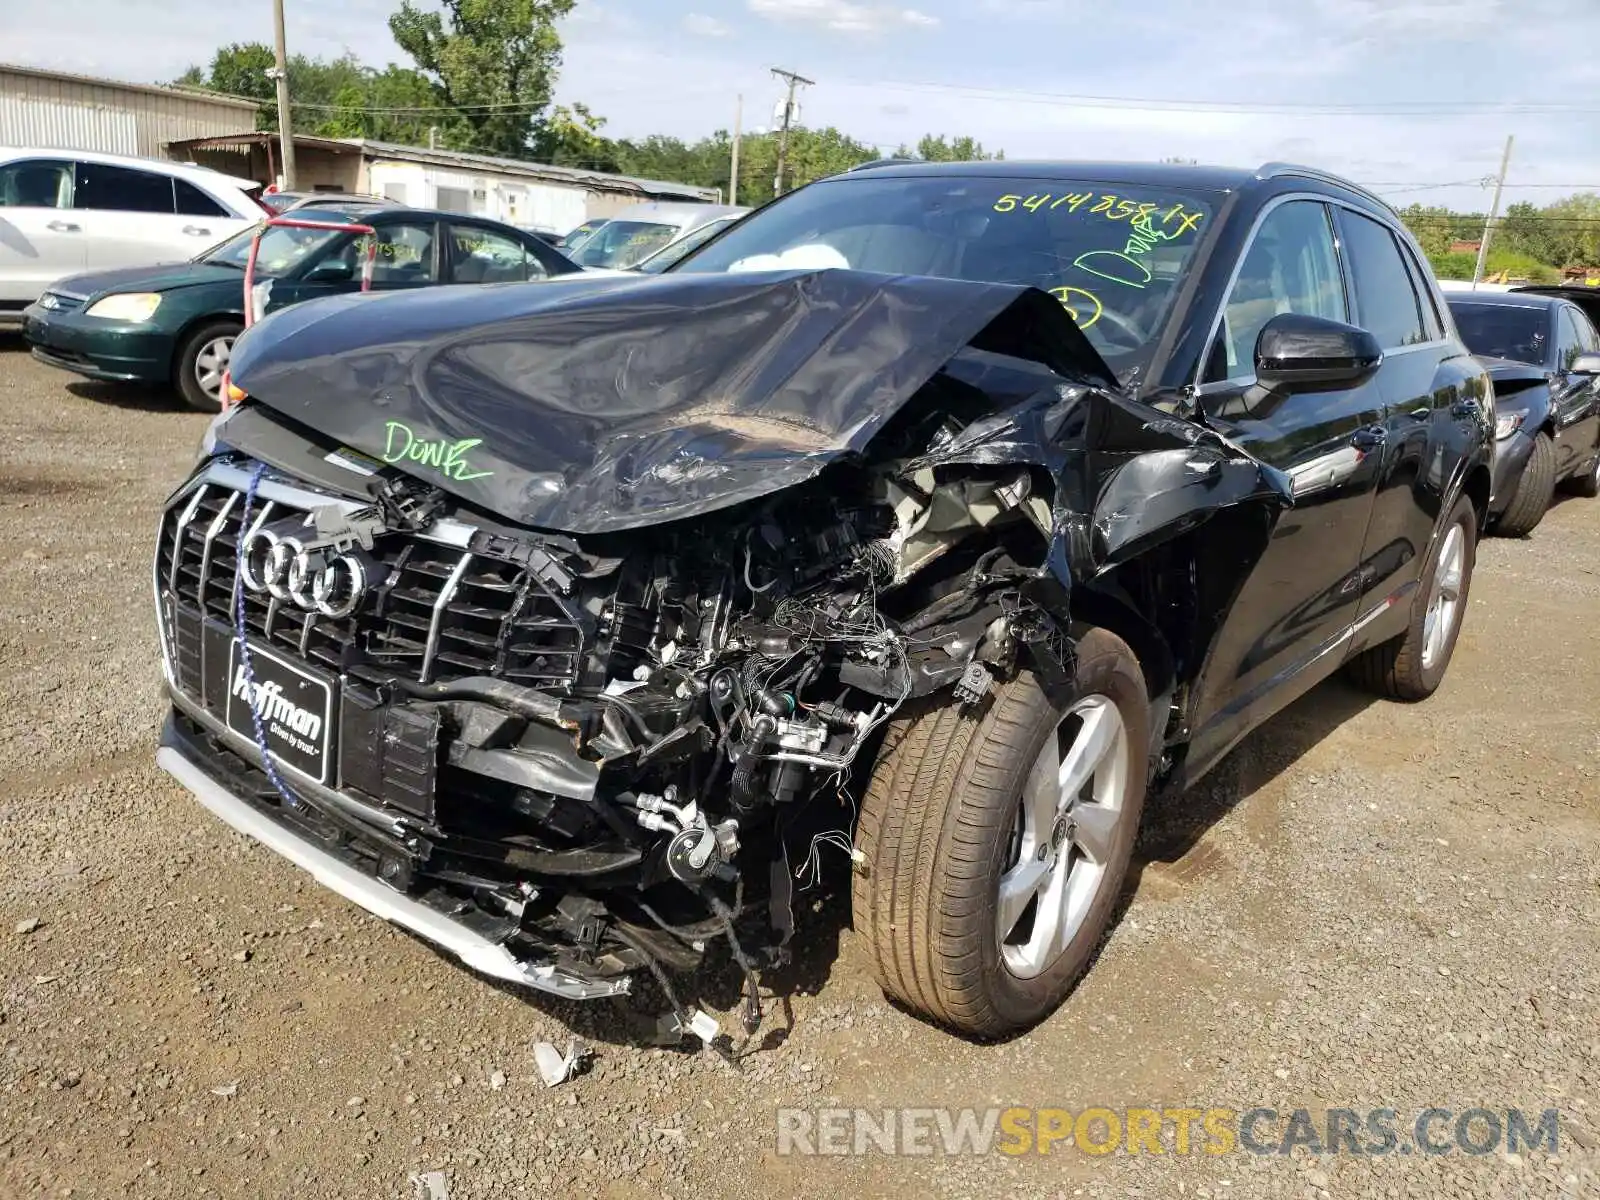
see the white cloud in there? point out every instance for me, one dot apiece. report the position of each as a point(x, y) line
point(1031, 10)
point(703, 26)
point(843, 16)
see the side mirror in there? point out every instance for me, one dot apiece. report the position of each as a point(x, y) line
point(1297, 353)
point(333, 271)
point(1585, 364)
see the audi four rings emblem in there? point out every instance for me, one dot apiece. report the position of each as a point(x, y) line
point(312, 580)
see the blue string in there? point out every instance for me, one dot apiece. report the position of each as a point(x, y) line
point(240, 632)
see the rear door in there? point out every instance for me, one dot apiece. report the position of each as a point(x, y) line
point(1296, 607)
point(1427, 383)
point(128, 218)
point(41, 238)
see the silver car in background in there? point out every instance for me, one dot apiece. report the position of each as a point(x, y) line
point(65, 212)
point(627, 239)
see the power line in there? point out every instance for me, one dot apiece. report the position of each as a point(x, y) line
point(1089, 100)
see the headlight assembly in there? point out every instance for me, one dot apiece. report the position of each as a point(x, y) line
point(1506, 424)
point(126, 306)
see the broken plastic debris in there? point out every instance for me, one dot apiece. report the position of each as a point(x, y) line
point(555, 1067)
point(226, 1089)
point(430, 1186)
point(703, 1026)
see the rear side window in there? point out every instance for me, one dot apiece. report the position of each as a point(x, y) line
point(192, 202)
point(1385, 297)
point(122, 189)
point(1432, 321)
point(1570, 342)
point(484, 256)
point(1588, 340)
point(36, 183)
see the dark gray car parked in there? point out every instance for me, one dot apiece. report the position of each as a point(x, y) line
point(1543, 354)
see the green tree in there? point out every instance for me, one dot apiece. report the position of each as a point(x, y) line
point(333, 98)
point(495, 64)
point(1433, 227)
point(572, 139)
point(940, 148)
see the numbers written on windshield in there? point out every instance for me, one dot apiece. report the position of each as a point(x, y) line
point(1176, 220)
point(1149, 224)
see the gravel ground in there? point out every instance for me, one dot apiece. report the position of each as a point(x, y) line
point(1369, 905)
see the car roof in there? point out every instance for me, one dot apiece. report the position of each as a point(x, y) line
point(359, 210)
point(1181, 175)
point(1502, 299)
point(667, 212)
point(193, 172)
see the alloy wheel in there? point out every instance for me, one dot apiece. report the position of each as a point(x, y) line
point(1068, 822)
point(1444, 597)
point(211, 363)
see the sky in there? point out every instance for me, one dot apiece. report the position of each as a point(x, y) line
point(1412, 97)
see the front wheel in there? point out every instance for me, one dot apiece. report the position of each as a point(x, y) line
point(1588, 483)
point(202, 363)
point(1412, 666)
point(997, 840)
point(1535, 489)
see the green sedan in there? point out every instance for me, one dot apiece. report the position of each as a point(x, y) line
point(176, 324)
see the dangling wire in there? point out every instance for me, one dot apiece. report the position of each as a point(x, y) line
point(241, 633)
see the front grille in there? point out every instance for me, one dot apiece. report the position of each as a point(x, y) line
point(433, 612)
point(60, 302)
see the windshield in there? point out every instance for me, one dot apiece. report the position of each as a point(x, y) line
point(1113, 255)
point(577, 239)
point(622, 244)
point(282, 248)
point(679, 250)
point(1516, 331)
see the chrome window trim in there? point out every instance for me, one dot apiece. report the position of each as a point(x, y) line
point(1233, 382)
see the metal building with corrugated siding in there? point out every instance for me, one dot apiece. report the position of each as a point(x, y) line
point(53, 110)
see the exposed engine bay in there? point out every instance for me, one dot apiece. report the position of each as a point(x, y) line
point(608, 750)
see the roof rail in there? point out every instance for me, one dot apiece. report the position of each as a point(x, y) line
point(1274, 170)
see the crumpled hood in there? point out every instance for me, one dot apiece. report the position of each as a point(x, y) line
point(604, 403)
point(1516, 384)
point(1509, 369)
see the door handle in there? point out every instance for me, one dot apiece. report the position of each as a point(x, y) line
point(62, 227)
point(1369, 437)
point(197, 231)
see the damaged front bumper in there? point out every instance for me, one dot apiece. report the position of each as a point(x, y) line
point(352, 866)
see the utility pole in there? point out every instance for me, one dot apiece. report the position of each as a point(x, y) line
point(733, 167)
point(1494, 212)
point(783, 132)
point(281, 74)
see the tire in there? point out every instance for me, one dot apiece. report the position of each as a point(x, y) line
point(1588, 483)
point(187, 364)
point(1408, 667)
point(1535, 489)
point(944, 823)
